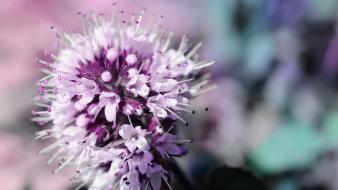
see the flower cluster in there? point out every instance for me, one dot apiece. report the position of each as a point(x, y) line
point(116, 92)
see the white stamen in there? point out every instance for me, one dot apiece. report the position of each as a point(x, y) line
point(146, 186)
point(183, 81)
point(43, 133)
point(138, 22)
point(167, 43)
point(184, 104)
point(181, 141)
point(140, 68)
point(50, 147)
point(171, 127)
point(204, 64)
point(180, 118)
point(43, 62)
point(80, 186)
point(167, 183)
point(213, 87)
point(194, 50)
point(63, 164)
point(182, 109)
point(130, 120)
point(183, 44)
point(57, 153)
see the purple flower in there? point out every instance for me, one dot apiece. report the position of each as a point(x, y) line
point(134, 137)
point(117, 85)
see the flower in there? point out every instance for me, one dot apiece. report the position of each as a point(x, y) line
point(120, 88)
point(135, 138)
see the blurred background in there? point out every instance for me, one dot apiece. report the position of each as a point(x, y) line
point(275, 112)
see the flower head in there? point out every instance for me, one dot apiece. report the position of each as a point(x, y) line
point(112, 92)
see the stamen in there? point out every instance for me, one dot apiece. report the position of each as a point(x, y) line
point(138, 21)
point(157, 120)
point(130, 121)
point(204, 64)
point(43, 62)
point(187, 80)
point(182, 141)
point(213, 87)
point(64, 164)
point(80, 158)
point(194, 50)
point(80, 186)
point(167, 43)
point(50, 147)
point(43, 133)
point(41, 119)
point(167, 183)
point(146, 186)
point(140, 68)
point(184, 104)
point(183, 44)
point(175, 115)
point(171, 127)
point(182, 109)
point(57, 153)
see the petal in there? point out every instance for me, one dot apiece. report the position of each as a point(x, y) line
point(142, 143)
point(126, 131)
point(147, 156)
point(71, 131)
point(85, 100)
point(160, 112)
point(155, 181)
point(170, 102)
point(110, 111)
point(143, 90)
point(143, 166)
point(131, 146)
point(172, 149)
point(134, 181)
point(157, 110)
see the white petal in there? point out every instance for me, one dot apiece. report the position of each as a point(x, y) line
point(85, 100)
point(143, 90)
point(110, 111)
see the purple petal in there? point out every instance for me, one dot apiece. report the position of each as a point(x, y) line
point(172, 149)
point(155, 181)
